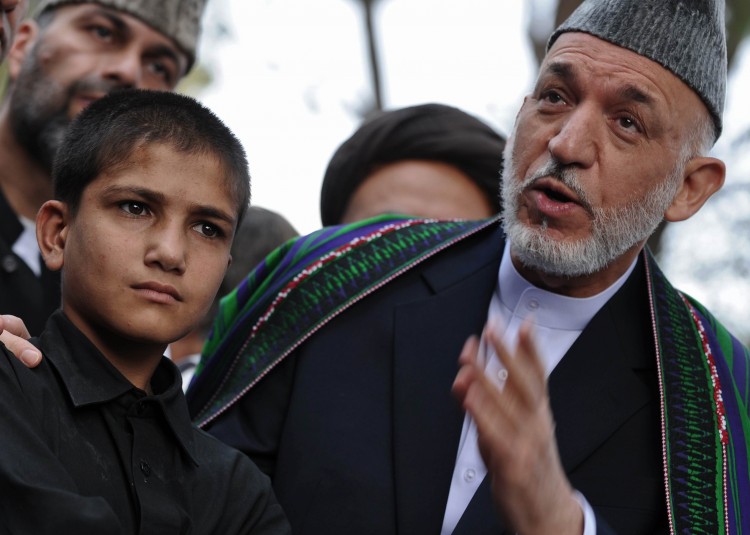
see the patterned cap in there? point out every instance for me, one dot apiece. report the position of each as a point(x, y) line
point(177, 19)
point(686, 37)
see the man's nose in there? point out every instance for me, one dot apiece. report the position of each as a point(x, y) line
point(124, 68)
point(574, 142)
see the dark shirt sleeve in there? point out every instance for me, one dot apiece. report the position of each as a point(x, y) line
point(38, 494)
point(242, 500)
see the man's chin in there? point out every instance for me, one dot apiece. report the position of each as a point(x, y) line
point(537, 250)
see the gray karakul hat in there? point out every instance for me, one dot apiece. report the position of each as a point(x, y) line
point(180, 20)
point(685, 36)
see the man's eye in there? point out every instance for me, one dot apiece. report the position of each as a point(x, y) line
point(552, 97)
point(102, 32)
point(628, 123)
point(161, 70)
point(134, 208)
point(208, 230)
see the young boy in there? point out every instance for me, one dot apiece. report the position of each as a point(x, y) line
point(149, 189)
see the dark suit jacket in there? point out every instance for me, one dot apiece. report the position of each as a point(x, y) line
point(22, 293)
point(359, 430)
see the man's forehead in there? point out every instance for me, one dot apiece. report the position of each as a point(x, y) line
point(686, 37)
point(573, 50)
point(125, 21)
point(178, 21)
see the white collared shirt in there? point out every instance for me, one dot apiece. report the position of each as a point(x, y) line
point(26, 246)
point(558, 321)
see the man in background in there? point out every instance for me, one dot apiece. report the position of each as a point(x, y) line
point(430, 160)
point(69, 55)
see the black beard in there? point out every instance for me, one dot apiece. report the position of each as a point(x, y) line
point(38, 113)
point(40, 139)
point(39, 105)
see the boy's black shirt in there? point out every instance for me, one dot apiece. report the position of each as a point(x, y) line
point(84, 451)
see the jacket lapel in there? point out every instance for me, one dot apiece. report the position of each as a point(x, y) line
point(592, 391)
point(595, 388)
point(429, 335)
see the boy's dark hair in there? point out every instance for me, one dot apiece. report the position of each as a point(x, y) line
point(110, 130)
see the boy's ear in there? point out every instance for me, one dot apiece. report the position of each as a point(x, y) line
point(51, 233)
point(26, 37)
point(703, 177)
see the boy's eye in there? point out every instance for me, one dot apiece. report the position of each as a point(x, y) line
point(208, 230)
point(134, 207)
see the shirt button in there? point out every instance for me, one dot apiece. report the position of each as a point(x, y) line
point(533, 304)
point(140, 408)
point(502, 375)
point(9, 263)
point(145, 468)
point(469, 475)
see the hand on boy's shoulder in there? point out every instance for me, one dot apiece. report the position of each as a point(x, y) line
point(14, 335)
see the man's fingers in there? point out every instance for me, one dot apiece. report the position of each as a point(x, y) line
point(14, 325)
point(469, 351)
point(491, 413)
point(527, 348)
point(468, 370)
point(522, 380)
point(14, 335)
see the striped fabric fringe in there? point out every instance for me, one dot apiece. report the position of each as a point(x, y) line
point(705, 383)
point(300, 287)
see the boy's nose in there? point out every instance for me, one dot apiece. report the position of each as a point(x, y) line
point(167, 250)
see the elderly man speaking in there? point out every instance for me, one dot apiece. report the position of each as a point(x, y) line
point(598, 398)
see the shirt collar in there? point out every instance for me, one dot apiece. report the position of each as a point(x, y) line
point(550, 309)
point(10, 226)
point(90, 378)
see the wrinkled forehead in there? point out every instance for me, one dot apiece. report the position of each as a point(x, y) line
point(577, 55)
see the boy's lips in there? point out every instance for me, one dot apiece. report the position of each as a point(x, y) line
point(163, 293)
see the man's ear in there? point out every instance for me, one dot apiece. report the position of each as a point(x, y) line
point(26, 37)
point(51, 233)
point(703, 177)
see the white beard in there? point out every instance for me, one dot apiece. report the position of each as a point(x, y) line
point(613, 230)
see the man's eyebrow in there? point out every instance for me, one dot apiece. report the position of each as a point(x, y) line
point(112, 16)
point(562, 70)
point(631, 92)
point(163, 51)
